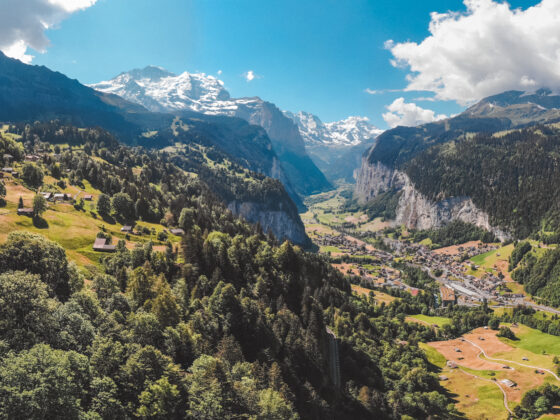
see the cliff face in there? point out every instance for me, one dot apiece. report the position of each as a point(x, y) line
point(414, 210)
point(375, 178)
point(281, 223)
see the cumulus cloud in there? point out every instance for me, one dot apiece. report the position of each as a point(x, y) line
point(23, 23)
point(488, 49)
point(409, 114)
point(251, 75)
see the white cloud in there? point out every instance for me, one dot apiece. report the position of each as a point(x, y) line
point(251, 75)
point(219, 72)
point(409, 114)
point(486, 50)
point(381, 91)
point(23, 23)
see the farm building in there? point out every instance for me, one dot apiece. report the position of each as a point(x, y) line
point(100, 244)
point(88, 197)
point(47, 195)
point(25, 211)
point(508, 383)
point(447, 295)
point(59, 196)
point(177, 231)
point(8, 170)
point(126, 229)
point(451, 364)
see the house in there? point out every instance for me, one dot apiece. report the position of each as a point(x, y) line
point(46, 195)
point(7, 157)
point(88, 197)
point(8, 170)
point(59, 196)
point(508, 383)
point(177, 231)
point(25, 211)
point(126, 229)
point(31, 158)
point(451, 364)
point(100, 244)
point(15, 174)
point(447, 295)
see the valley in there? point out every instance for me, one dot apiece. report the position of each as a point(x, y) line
point(486, 375)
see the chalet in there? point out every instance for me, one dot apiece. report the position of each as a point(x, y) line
point(177, 231)
point(447, 295)
point(443, 378)
point(15, 174)
point(88, 197)
point(59, 196)
point(7, 169)
point(31, 158)
point(47, 195)
point(451, 364)
point(126, 229)
point(25, 211)
point(100, 244)
point(7, 157)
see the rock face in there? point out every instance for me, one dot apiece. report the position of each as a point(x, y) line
point(280, 222)
point(375, 178)
point(414, 210)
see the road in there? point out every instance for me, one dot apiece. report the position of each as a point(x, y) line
point(495, 383)
point(510, 361)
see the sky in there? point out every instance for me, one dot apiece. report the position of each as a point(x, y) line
point(394, 61)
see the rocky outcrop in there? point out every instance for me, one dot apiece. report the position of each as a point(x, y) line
point(414, 210)
point(281, 223)
point(375, 178)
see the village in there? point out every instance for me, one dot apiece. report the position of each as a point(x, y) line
point(449, 268)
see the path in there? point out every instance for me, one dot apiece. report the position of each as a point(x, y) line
point(511, 361)
point(495, 383)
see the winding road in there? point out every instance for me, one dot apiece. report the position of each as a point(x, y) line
point(495, 383)
point(510, 361)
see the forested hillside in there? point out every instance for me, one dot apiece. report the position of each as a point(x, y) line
point(513, 176)
point(227, 323)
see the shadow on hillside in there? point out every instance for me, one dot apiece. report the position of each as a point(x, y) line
point(108, 219)
point(40, 223)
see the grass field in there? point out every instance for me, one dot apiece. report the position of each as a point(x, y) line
point(431, 320)
point(73, 229)
point(535, 341)
point(470, 385)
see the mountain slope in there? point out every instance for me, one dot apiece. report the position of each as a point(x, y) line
point(161, 91)
point(418, 161)
point(335, 147)
point(35, 93)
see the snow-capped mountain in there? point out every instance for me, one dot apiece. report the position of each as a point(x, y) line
point(335, 147)
point(293, 136)
point(162, 91)
point(348, 132)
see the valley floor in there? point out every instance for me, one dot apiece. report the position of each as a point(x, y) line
point(476, 369)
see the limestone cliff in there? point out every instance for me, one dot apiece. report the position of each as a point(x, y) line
point(283, 224)
point(414, 210)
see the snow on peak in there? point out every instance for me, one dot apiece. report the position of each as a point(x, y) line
point(348, 132)
point(160, 90)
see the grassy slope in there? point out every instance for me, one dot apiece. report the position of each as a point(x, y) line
point(437, 320)
point(72, 229)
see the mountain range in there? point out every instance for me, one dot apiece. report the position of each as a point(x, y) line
point(293, 135)
point(484, 166)
point(35, 93)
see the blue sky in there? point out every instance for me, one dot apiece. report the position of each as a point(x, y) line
point(317, 56)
